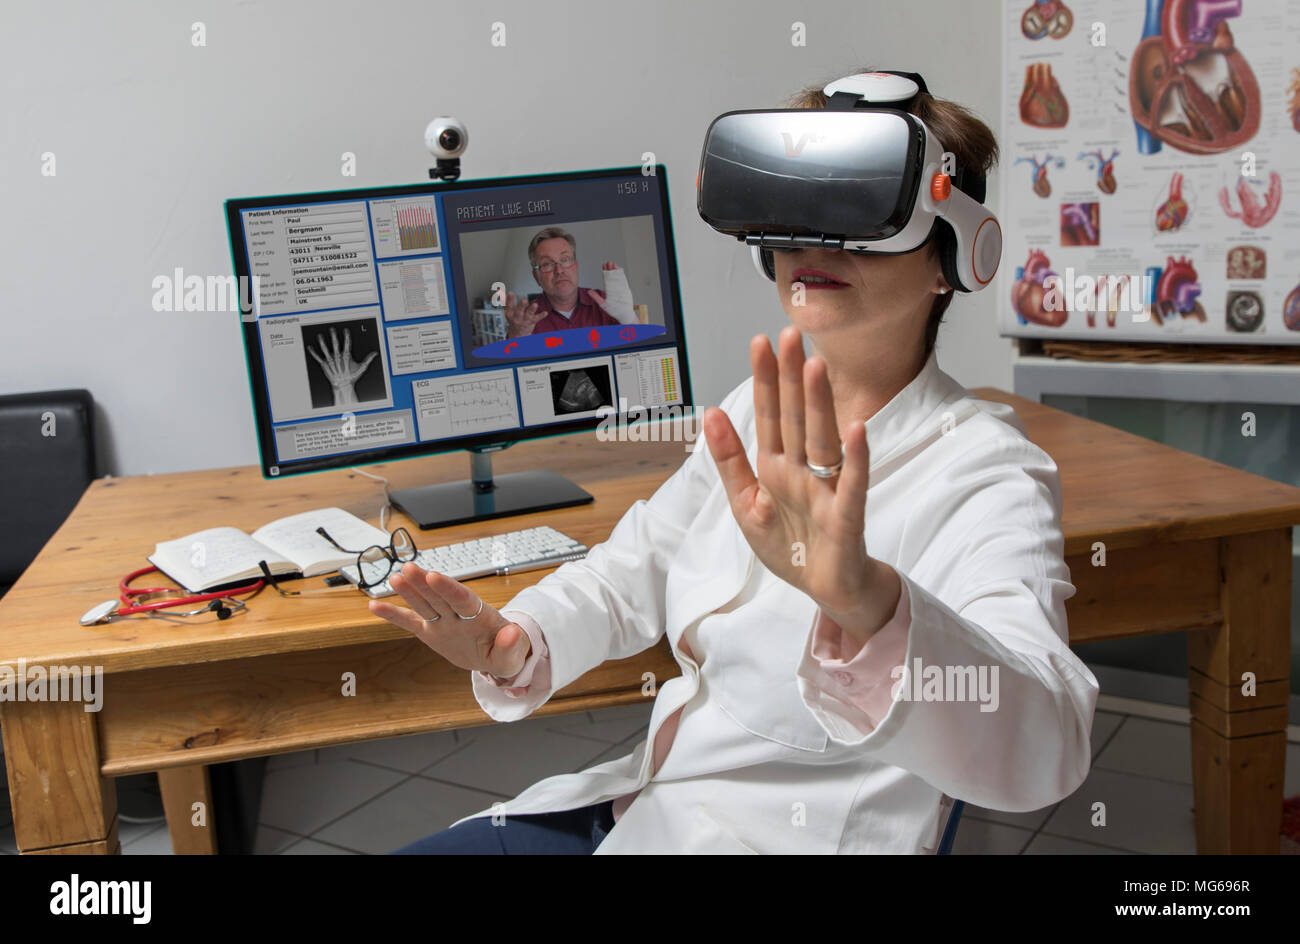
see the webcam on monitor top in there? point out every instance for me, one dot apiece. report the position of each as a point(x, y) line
point(446, 138)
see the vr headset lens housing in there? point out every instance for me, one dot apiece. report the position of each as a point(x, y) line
point(838, 175)
point(868, 180)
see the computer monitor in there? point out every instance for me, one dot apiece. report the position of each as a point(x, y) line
point(376, 328)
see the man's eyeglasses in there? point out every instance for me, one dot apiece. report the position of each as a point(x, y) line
point(381, 559)
point(549, 267)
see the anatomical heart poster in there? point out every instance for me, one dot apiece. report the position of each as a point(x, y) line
point(1150, 170)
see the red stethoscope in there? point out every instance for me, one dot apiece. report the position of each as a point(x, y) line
point(131, 600)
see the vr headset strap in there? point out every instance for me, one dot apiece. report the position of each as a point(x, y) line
point(845, 101)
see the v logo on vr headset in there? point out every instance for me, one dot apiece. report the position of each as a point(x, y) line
point(795, 148)
point(862, 175)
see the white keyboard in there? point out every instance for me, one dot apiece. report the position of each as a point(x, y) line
point(509, 553)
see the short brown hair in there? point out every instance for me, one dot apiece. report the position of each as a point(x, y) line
point(551, 232)
point(969, 139)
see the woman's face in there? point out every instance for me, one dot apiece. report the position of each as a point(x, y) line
point(885, 298)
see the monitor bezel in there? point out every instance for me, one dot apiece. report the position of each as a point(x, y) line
point(499, 439)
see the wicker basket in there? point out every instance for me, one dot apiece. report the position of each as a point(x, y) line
point(1173, 353)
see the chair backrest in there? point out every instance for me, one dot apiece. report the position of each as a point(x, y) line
point(950, 827)
point(48, 444)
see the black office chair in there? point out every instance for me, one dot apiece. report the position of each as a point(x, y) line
point(48, 444)
point(47, 458)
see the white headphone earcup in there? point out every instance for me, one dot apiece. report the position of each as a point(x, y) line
point(987, 251)
point(761, 264)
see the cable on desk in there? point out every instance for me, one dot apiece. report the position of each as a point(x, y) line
point(388, 498)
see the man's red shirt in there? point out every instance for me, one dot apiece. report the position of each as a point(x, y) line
point(587, 314)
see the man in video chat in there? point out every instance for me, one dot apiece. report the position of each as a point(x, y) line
point(553, 255)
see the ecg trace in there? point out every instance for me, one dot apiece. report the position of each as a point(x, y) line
point(477, 403)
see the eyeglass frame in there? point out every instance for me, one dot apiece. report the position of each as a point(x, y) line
point(389, 553)
point(560, 263)
point(273, 582)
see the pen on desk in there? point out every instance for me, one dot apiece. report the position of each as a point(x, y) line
point(539, 564)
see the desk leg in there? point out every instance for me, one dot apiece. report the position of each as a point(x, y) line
point(182, 787)
point(61, 802)
point(1239, 738)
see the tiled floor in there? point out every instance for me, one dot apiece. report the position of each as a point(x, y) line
point(376, 796)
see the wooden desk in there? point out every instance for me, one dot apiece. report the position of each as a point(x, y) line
point(1190, 544)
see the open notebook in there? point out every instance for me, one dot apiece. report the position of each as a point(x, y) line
point(220, 556)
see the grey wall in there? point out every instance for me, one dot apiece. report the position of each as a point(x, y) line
point(150, 134)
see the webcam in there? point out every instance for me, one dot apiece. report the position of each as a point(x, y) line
point(446, 138)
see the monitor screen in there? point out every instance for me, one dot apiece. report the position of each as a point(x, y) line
point(401, 321)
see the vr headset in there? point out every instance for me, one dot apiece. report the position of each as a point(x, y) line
point(862, 175)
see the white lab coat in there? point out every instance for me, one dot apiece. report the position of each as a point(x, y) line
point(967, 510)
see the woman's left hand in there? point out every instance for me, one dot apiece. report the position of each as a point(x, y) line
point(809, 531)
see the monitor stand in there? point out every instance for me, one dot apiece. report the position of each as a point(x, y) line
point(483, 496)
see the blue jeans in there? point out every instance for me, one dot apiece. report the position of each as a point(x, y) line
point(570, 832)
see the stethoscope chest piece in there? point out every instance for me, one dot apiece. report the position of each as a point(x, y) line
point(100, 613)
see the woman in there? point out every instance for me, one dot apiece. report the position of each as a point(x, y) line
point(848, 657)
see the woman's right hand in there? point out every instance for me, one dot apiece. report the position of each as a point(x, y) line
point(488, 643)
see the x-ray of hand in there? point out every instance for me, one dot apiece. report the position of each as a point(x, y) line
point(340, 369)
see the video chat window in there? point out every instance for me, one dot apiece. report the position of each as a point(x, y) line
point(386, 321)
point(497, 263)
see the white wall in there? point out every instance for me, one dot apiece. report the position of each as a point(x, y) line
point(151, 134)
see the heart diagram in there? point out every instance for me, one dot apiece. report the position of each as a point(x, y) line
point(1042, 186)
point(1080, 224)
point(1029, 294)
point(1172, 214)
point(1177, 291)
point(1251, 210)
point(1104, 168)
point(1189, 86)
point(1046, 18)
point(1042, 103)
point(1291, 310)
